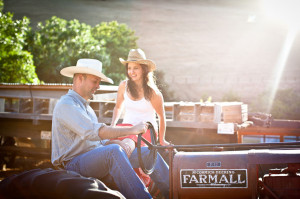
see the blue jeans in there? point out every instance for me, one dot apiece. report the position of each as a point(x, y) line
point(112, 160)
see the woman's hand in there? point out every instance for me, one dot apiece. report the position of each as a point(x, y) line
point(164, 143)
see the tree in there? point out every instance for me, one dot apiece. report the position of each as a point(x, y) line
point(285, 105)
point(60, 43)
point(1, 5)
point(163, 86)
point(117, 39)
point(16, 64)
point(231, 96)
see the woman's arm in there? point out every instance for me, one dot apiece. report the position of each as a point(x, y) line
point(157, 102)
point(119, 104)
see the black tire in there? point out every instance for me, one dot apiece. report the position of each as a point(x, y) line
point(153, 150)
point(50, 183)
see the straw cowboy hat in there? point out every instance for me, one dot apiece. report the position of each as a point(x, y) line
point(138, 56)
point(86, 66)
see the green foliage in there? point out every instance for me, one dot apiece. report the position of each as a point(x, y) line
point(117, 39)
point(286, 104)
point(163, 87)
point(60, 43)
point(231, 97)
point(1, 5)
point(16, 64)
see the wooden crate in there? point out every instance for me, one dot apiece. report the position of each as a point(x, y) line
point(27, 105)
point(228, 112)
point(205, 112)
point(231, 112)
point(193, 112)
point(236, 113)
point(169, 110)
point(183, 112)
point(103, 109)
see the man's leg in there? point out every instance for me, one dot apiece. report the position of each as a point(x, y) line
point(160, 175)
point(110, 159)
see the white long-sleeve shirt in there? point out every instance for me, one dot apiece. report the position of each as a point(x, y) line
point(75, 128)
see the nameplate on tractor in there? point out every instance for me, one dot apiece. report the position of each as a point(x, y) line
point(213, 178)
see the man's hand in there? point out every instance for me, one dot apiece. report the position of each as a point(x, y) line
point(139, 128)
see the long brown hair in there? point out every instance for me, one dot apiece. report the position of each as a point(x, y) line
point(148, 83)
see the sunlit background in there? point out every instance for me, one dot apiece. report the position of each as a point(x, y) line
point(206, 48)
point(286, 12)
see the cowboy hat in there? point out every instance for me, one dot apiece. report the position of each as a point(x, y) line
point(138, 56)
point(86, 66)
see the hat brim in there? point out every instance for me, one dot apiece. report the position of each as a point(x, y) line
point(71, 70)
point(148, 62)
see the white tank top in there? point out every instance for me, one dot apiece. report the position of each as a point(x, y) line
point(138, 111)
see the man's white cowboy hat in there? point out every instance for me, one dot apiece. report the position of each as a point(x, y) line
point(138, 56)
point(86, 66)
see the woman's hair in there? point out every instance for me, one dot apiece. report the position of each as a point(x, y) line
point(148, 83)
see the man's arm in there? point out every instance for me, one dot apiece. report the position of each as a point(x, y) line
point(110, 132)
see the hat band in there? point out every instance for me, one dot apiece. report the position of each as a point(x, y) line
point(129, 60)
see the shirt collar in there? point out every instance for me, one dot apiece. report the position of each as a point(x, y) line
point(77, 96)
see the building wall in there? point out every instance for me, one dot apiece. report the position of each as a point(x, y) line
point(193, 88)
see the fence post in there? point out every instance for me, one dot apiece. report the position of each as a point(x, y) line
point(176, 111)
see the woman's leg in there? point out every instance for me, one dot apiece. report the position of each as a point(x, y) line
point(110, 159)
point(160, 175)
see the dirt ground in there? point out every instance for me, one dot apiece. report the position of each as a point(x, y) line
point(210, 47)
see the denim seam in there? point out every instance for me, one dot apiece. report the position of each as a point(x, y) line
point(124, 175)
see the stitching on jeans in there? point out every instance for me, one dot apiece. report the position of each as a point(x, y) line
point(122, 171)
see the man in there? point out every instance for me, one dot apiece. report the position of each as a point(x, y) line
point(78, 139)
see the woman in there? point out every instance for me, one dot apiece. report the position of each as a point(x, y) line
point(142, 100)
point(139, 95)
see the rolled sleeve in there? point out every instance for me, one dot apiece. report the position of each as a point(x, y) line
point(80, 121)
point(75, 128)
